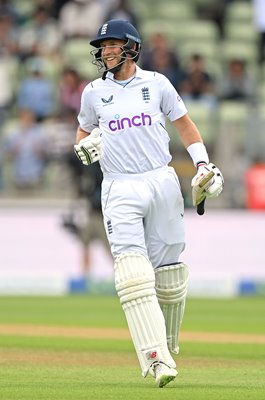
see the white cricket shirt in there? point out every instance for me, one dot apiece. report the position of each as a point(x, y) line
point(132, 120)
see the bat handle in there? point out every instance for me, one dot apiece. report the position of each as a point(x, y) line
point(200, 208)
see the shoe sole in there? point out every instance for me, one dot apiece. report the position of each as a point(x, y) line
point(165, 379)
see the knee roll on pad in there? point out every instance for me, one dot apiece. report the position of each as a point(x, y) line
point(171, 289)
point(135, 285)
point(134, 277)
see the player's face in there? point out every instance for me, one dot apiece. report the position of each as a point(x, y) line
point(111, 52)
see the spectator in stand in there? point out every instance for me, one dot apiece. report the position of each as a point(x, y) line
point(27, 148)
point(71, 87)
point(6, 92)
point(259, 23)
point(54, 6)
point(8, 8)
point(8, 48)
point(41, 35)
point(121, 9)
point(8, 35)
point(85, 215)
point(80, 18)
point(216, 11)
point(36, 92)
point(198, 84)
point(159, 56)
point(237, 83)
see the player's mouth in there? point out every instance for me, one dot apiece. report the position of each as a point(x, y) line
point(110, 60)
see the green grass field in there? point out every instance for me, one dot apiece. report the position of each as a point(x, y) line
point(47, 351)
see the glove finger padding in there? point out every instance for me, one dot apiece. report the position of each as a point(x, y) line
point(218, 182)
point(208, 182)
point(91, 155)
point(90, 142)
point(89, 149)
point(78, 151)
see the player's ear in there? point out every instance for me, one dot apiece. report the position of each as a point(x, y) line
point(132, 52)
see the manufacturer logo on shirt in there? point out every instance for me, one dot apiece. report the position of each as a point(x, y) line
point(145, 94)
point(107, 101)
point(119, 123)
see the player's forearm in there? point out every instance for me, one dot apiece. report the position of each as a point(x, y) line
point(81, 134)
point(187, 130)
point(192, 140)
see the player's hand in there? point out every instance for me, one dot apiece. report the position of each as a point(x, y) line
point(208, 182)
point(89, 149)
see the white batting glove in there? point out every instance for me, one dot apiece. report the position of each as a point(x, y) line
point(217, 185)
point(89, 149)
point(203, 187)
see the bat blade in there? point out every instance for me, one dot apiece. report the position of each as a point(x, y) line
point(198, 192)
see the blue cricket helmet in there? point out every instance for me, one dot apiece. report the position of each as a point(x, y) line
point(123, 30)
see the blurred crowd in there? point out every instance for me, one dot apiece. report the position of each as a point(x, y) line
point(42, 77)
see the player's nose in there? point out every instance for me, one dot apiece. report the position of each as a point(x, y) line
point(107, 51)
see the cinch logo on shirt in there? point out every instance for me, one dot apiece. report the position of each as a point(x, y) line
point(122, 123)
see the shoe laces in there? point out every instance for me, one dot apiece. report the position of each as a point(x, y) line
point(157, 366)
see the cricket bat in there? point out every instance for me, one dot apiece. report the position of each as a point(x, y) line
point(198, 192)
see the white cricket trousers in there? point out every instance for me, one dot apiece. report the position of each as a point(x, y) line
point(144, 213)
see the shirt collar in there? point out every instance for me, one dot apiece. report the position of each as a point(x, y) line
point(138, 73)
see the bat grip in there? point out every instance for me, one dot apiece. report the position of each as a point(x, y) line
point(200, 208)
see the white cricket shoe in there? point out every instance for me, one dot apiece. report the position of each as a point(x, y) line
point(163, 374)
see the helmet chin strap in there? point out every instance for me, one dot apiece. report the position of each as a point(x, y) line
point(113, 70)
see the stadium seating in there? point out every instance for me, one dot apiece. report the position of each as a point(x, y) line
point(188, 34)
point(241, 31)
point(76, 53)
point(175, 11)
point(205, 118)
point(240, 11)
point(238, 49)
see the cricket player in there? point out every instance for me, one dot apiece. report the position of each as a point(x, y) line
point(122, 125)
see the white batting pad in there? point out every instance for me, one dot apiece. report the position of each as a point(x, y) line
point(135, 285)
point(171, 289)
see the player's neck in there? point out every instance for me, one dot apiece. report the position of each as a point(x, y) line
point(126, 72)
